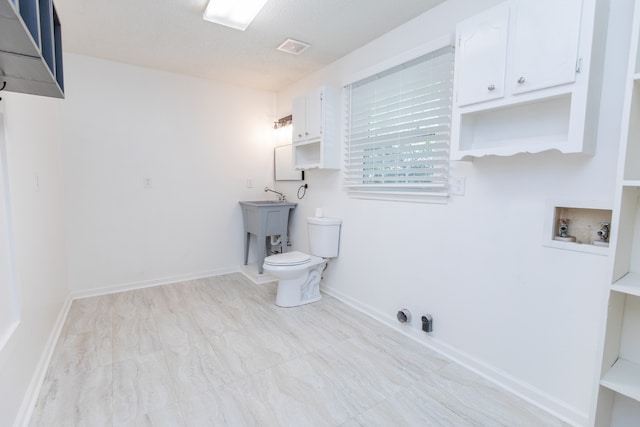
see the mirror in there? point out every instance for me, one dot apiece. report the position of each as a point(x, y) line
point(283, 160)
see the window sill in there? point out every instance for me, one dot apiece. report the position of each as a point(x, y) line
point(393, 196)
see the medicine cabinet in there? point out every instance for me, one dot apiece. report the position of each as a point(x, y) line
point(316, 129)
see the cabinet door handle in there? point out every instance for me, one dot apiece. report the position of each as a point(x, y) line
point(491, 87)
point(521, 80)
point(299, 135)
point(306, 133)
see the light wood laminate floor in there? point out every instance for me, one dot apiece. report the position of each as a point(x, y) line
point(218, 352)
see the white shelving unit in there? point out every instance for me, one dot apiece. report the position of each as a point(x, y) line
point(619, 387)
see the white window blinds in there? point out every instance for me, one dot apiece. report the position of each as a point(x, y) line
point(398, 126)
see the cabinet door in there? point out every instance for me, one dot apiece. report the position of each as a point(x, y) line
point(545, 43)
point(481, 56)
point(314, 114)
point(299, 118)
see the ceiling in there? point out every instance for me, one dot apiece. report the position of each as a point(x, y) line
point(171, 35)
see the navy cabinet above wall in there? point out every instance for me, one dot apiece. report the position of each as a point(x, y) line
point(31, 48)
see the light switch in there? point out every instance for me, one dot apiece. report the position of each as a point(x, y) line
point(457, 185)
point(147, 183)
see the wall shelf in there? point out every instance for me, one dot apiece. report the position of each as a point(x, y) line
point(624, 378)
point(628, 284)
point(503, 130)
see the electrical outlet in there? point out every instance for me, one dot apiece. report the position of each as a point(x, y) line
point(427, 323)
point(147, 183)
point(249, 183)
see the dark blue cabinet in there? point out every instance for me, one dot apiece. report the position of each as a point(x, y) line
point(31, 48)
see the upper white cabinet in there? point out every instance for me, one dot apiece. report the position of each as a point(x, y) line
point(306, 116)
point(522, 79)
point(31, 48)
point(481, 56)
point(316, 129)
point(546, 34)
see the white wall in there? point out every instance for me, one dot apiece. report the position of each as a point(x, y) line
point(82, 220)
point(33, 150)
point(519, 312)
point(198, 141)
point(525, 315)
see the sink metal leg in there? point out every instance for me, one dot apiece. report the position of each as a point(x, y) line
point(246, 248)
point(284, 241)
point(261, 252)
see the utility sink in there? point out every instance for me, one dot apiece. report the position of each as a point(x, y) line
point(265, 218)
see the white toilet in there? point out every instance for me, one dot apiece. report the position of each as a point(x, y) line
point(299, 274)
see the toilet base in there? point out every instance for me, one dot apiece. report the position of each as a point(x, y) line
point(300, 290)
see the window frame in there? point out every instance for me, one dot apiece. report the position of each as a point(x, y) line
point(393, 194)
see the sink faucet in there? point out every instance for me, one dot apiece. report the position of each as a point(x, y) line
point(281, 197)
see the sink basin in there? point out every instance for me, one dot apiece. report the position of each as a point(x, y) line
point(264, 218)
point(267, 203)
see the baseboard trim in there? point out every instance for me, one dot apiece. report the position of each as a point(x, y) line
point(33, 391)
point(523, 390)
point(86, 293)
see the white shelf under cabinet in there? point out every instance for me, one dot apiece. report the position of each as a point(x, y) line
point(624, 378)
point(621, 346)
point(628, 284)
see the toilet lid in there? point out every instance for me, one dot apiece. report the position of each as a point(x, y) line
point(288, 258)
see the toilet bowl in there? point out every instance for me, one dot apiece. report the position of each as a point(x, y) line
point(298, 277)
point(298, 273)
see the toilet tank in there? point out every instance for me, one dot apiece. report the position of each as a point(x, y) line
point(324, 236)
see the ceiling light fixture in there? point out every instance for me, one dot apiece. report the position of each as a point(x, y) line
point(294, 47)
point(236, 14)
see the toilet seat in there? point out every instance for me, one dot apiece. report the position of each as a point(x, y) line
point(288, 258)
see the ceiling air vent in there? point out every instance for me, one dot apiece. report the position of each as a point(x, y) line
point(293, 47)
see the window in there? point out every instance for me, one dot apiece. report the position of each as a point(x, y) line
point(398, 130)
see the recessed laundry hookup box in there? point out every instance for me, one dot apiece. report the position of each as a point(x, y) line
point(582, 226)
